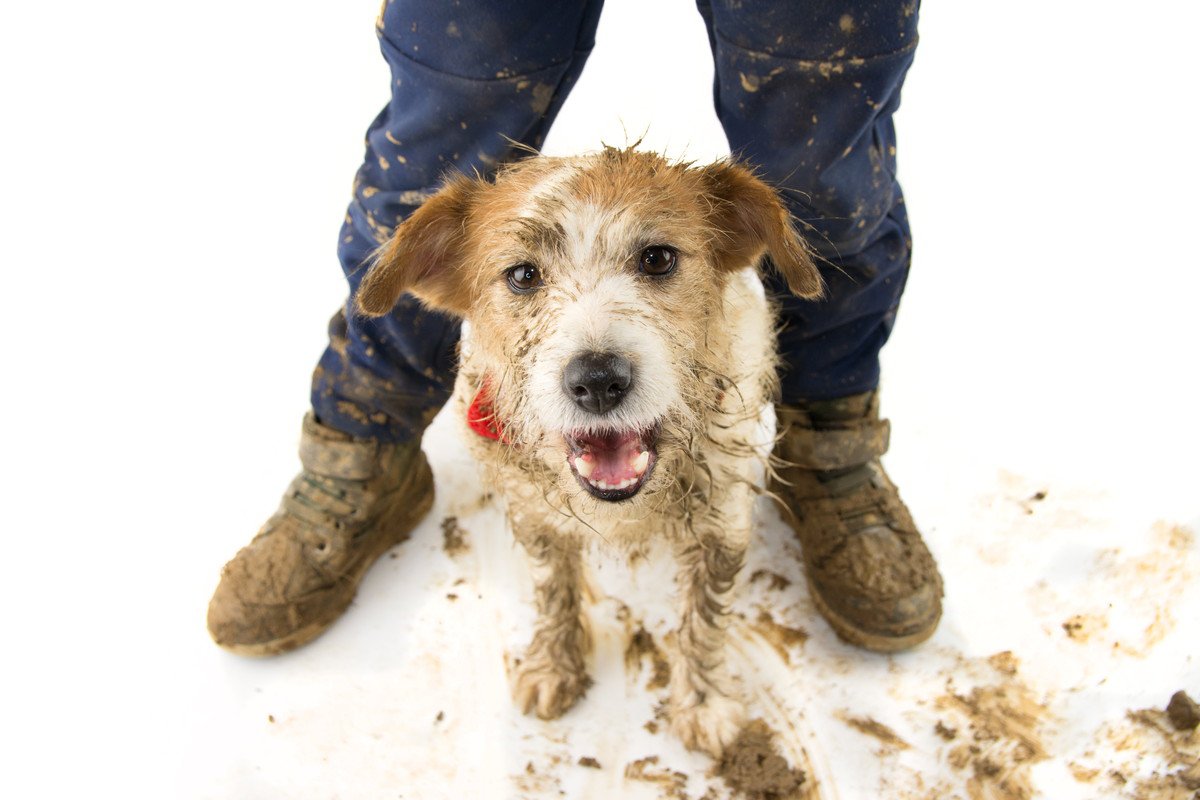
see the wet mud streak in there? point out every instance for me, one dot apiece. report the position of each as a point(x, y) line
point(642, 647)
point(454, 540)
point(876, 730)
point(753, 768)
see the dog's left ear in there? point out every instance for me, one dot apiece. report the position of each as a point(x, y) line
point(424, 256)
point(752, 221)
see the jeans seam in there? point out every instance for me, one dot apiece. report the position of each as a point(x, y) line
point(498, 80)
point(814, 62)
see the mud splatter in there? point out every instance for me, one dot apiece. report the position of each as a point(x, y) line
point(945, 732)
point(755, 770)
point(781, 638)
point(643, 647)
point(588, 761)
point(413, 197)
point(874, 729)
point(776, 581)
point(1167, 567)
point(1004, 662)
point(454, 540)
point(1143, 756)
point(543, 93)
point(673, 782)
point(997, 726)
point(1082, 627)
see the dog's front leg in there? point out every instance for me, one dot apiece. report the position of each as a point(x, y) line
point(552, 675)
point(704, 711)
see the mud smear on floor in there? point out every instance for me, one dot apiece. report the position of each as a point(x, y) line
point(996, 735)
point(642, 648)
point(454, 538)
point(754, 769)
point(876, 730)
point(774, 580)
point(781, 638)
point(1150, 582)
point(1143, 755)
point(673, 782)
point(544, 782)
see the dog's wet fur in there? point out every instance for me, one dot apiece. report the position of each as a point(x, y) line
point(615, 325)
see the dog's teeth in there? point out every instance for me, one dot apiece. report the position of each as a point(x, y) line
point(584, 467)
point(641, 462)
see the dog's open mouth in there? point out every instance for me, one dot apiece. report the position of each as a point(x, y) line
point(613, 466)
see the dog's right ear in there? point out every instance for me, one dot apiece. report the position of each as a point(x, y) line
point(424, 256)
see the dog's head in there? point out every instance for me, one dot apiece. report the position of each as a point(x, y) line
point(594, 289)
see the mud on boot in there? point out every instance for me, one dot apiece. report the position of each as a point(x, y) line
point(353, 500)
point(869, 572)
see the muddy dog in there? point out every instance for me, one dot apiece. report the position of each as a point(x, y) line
point(616, 361)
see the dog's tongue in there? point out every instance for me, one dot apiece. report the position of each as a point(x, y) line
point(610, 460)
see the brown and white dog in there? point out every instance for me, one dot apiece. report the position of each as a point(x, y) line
point(617, 360)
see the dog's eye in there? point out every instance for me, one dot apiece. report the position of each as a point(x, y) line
point(657, 261)
point(524, 278)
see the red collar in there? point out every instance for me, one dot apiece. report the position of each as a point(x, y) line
point(481, 414)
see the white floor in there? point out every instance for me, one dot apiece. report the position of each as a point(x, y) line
point(173, 184)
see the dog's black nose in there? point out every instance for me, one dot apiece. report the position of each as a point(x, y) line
point(598, 382)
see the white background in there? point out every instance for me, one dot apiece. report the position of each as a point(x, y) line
point(172, 180)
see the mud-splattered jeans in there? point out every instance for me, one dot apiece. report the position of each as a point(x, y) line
point(804, 89)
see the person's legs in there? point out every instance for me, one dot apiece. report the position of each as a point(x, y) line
point(806, 92)
point(471, 83)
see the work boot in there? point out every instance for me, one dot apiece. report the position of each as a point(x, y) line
point(869, 573)
point(353, 500)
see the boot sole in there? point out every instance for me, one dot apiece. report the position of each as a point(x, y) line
point(302, 636)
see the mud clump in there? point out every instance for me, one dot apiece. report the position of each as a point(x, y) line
point(1183, 712)
point(588, 761)
point(454, 540)
point(755, 770)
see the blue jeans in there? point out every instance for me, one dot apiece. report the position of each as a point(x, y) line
point(805, 92)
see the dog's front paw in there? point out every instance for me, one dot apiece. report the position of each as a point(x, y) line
point(548, 689)
point(708, 721)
